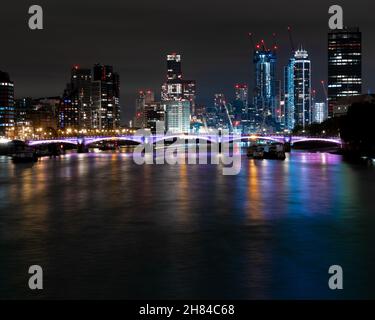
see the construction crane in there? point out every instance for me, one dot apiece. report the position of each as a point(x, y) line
point(250, 34)
point(274, 41)
point(291, 39)
point(324, 90)
point(263, 44)
point(228, 116)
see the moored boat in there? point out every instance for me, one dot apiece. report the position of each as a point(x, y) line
point(24, 156)
point(273, 151)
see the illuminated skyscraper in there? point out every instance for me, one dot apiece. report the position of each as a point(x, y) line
point(177, 114)
point(219, 116)
point(189, 93)
point(68, 112)
point(176, 88)
point(174, 71)
point(302, 88)
point(81, 95)
point(144, 97)
point(173, 88)
point(319, 112)
point(242, 94)
point(107, 97)
point(7, 112)
point(289, 95)
point(75, 110)
point(344, 65)
point(23, 110)
point(241, 107)
point(153, 113)
point(265, 86)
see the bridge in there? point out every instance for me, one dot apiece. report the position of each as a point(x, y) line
point(89, 140)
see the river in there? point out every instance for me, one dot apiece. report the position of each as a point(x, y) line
point(103, 227)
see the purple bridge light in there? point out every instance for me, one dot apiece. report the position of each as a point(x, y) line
point(157, 138)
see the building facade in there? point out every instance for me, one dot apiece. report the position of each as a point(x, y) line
point(177, 116)
point(319, 112)
point(153, 113)
point(106, 97)
point(80, 94)
point(176, 87)
point(265, 87)
point(7, 109)
point(144, 97)
point(302, 88)
point(344, 65)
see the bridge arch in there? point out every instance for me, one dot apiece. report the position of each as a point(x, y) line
point(255, 138)
point(89, 141)
point(328, 140)
point(184, 137)
point(52, 141)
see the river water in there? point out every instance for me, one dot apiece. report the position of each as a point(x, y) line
point(103, 227)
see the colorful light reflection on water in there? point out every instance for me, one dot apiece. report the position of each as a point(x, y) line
point(103, 227)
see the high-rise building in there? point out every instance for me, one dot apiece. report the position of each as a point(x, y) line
point(177, 116)
point(153, 113)
point(319, 112)
point(265, 86)
point(219, 101)
point(211, 112)
point(174, 71)
point(106, 98)
point(23, 110)
point(278, 112)
point(302, 88)
point(7, 112)
point(189, 93)
point(68, 115)
point(241, 107)
point(144, 97)
point(344, 65)
point(96, 98)
point(219, 115)
point(140, 102)
point(241, 93)
point(176, 88)
point(80, 94)
point(173, 88)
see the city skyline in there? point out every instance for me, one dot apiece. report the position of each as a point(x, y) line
point(142, 65)
point(187, 157)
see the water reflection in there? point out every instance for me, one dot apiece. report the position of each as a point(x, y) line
point(187, 231)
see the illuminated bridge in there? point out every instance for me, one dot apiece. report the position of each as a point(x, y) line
point(89, 140)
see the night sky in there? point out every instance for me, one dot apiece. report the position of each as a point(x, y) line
point(135, 36)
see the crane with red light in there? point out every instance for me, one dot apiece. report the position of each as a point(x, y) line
point(291, 39)
point(324, 89)
point(251, 36)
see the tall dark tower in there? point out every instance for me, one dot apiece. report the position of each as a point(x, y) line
point(265, 86)
point(302, 88)
point(106, 97)
point(81, 95)
point(344, 65)
point(174, 67)
point(7, 113)
point(176, 88)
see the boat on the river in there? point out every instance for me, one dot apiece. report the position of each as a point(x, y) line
point(24, 156)
point(274, 151)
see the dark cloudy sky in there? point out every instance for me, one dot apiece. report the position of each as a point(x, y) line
point(135, 36)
